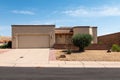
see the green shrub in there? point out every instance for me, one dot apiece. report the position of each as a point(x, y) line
point(3, 46)
point(115, 48)
point(68, 51)
point(82, 41)
point(7, 45)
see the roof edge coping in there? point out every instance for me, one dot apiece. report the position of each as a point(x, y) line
point(32, 25)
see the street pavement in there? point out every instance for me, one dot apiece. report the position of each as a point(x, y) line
point(42, 73)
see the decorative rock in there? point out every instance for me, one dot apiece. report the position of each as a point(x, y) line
point(21, 57)
point(108, 51)
point(62, 56)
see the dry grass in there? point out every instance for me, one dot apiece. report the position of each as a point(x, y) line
point(89, 55)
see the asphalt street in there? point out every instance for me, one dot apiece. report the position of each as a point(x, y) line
point(41, 73)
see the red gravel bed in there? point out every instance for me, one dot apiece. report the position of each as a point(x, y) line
point(52, 56)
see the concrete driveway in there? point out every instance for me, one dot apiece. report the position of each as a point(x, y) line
point(24, 57)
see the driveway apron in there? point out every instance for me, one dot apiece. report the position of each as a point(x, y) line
point(24, 57)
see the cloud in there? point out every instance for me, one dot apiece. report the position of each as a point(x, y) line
point(90, 12)
point(110, 11)
point(38, 22)
point(51, 21)
point(23, 12)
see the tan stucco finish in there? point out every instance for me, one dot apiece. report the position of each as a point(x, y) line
point(86, 30)
point(63, 39)
point(81, 30)
point(94, 34)
point(39, 36)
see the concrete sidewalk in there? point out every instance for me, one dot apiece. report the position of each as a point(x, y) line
point(85, 64)
point(74, 64)
point(69, 64)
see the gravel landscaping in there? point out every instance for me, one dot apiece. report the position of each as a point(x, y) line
point(88, 55)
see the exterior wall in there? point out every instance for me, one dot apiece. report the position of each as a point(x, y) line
point(32, 30)
point(63, 39)
point(109, 39)
point(81, 30)
point(91, 47)
point(65, 46)
point(60, 39)
point(86, 30)
point(94, 30)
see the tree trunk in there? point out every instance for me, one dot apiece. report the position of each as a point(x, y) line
point(81, 49)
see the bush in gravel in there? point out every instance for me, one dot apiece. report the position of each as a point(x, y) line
point(68, 51)
point(3, 46)
point(6, 45)
point(82, 41)
point(115, 48)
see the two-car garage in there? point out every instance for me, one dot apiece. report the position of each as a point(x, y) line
point(33, 36)
point(33, 41)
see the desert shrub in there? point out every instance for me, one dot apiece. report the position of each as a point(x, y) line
point(7, 45)
point(115, 48)
point(3, 46)
point(82, 41)
point(68, 51)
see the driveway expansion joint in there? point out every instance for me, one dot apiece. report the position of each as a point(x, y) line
point(83, 64)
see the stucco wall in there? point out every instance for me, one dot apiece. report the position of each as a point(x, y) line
point(86, 30)
point(33, 29)
point(94, 29)
point(63, 38)
point(81, 30)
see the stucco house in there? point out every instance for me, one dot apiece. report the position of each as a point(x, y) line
point(46, 36)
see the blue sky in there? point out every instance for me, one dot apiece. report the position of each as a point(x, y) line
point(105, 14)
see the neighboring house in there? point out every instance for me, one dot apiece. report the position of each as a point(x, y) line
point(109, 39)
point(47, 36)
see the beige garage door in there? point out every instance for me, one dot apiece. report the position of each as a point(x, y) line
point(33, 41)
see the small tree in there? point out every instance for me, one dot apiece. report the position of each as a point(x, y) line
point(82, 41)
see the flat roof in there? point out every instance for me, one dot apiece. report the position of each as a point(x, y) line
point(84, 26)
point(32, 25)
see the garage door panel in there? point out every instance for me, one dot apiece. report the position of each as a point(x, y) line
point(33, 41)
